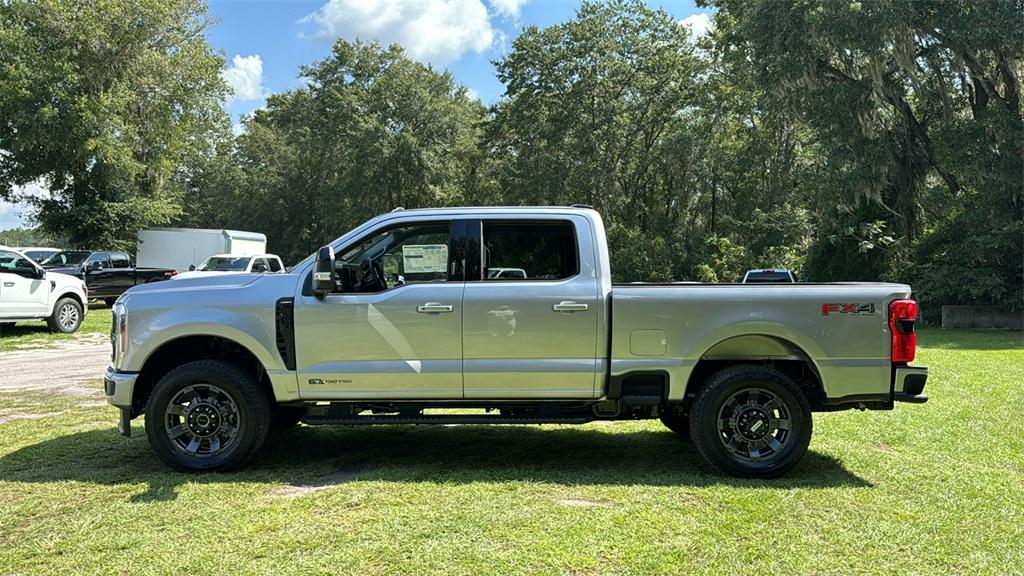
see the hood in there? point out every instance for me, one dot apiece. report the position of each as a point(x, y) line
point(61, 280)
point(201, 282)
point(198, 274)
point(69, 270)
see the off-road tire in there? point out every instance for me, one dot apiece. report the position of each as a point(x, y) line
point(67, 316)
point(708, 408)
point(252, 415)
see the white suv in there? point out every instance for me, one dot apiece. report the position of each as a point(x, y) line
point(28, 293)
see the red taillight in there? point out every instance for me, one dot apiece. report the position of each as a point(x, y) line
point(902, 314)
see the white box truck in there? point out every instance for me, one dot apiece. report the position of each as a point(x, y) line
point(179, 248)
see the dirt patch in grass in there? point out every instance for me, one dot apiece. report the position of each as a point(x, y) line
point(342, 475)
point(12, 416)
point(583, 503)
point(70, 367)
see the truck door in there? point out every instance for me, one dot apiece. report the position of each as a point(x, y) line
point(530, 309)
point(122, 273)
point(21, 293)
point(99, 276)
point(393, 328)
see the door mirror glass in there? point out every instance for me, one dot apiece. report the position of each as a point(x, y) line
point(95, 265)
point(323, 272)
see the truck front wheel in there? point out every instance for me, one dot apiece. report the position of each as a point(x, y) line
point(751, 421)
point(66, 317)
point(206, 415)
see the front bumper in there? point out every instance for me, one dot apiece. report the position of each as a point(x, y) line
point(118, 387)
point(908, 384)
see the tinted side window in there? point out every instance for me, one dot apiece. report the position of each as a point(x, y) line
point(102, 257)
point(406, 254)
point(529, 250)
point(275, 265)
point(11, 263)
point(120, 260)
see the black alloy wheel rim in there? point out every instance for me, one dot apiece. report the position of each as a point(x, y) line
point(754, 425)
point(201, 421)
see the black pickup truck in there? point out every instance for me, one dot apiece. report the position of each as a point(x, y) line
point(106, 273)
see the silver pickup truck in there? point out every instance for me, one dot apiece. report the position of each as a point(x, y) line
point(403, 319)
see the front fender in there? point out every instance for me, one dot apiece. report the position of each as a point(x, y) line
point(150, 330)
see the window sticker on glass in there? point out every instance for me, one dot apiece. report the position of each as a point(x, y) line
point(425, 258)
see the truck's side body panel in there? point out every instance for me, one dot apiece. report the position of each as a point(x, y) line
point(850, 350)
point(518, 344)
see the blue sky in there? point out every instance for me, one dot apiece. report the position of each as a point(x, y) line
point(265, 42)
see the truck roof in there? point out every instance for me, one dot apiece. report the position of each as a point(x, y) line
point(493, 209)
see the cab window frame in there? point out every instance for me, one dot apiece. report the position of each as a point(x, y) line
point(477, 240)
point(456, 251)
point(30, 272)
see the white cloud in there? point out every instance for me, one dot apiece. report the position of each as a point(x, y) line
point(431, 31)
point(11, 215)
point(245, 77)
point(472, 94)
point(508, 8)
point(698, 23)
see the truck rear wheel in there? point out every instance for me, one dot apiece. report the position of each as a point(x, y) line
point(751, 421)
point(206, 415)
point(66, 317)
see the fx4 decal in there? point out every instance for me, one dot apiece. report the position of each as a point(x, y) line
point(827, 309)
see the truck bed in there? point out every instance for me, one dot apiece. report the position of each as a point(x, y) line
point(839, 327)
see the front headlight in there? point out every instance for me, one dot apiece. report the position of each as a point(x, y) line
point(118, 334)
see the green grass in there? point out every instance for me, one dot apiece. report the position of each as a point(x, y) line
point(930, 489)
point(36, 335)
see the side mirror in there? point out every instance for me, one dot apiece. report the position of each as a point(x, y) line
point(95, 265)
point(40, 273)
point(191, 267)
point(323, 272)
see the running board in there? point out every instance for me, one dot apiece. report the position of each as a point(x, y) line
point(444, 419)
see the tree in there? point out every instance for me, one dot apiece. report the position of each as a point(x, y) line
point(371, 130)
point(915, 108)
point(108, 102)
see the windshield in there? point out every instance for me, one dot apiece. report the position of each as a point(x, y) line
point(224, 264)
point(67, 258)
point(38, 255)
point(768, 277)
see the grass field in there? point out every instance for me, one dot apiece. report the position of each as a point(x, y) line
point(930, 489)
point(36, 335)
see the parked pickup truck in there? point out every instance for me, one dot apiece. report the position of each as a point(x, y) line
point(401, 317)
point(28, 293)
point(235, 264)
point(107, 274)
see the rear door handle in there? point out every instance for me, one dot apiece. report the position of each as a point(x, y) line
point(434, 308)
point(570, 306)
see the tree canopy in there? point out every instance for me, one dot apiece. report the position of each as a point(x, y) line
point(846, 140)
point(108, 103)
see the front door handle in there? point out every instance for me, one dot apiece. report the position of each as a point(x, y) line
point(8, 284)
point(434, 308)
point(570, 306)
